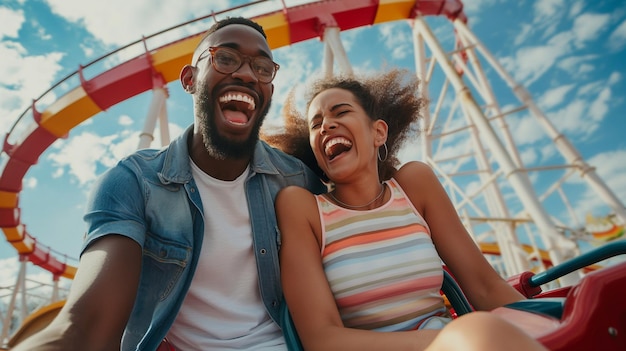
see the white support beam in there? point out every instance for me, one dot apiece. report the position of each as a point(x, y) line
point(156, 106)
point(164, 127)
point(568, 151)
point(333, 41)
point(558, 247)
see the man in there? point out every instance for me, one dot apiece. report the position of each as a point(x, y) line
point(182, 242)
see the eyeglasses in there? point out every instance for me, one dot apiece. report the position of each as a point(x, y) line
point(226, 61)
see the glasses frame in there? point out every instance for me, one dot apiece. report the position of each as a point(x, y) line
point(211, 50)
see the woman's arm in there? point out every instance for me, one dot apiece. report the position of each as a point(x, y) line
point(483, 286)
point(100, 300)
point(306, 289)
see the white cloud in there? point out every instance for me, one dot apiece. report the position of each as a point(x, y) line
point(527, 130)
point(23, 77)
point(588, 27)
point(397, 39)
point(548, 151)
point(296, 66)
point(586, 68)
point(58, 173)
point(529, 156)
point(11, 22)
point(554, 97)
point(547, 8)
point(610, 168)
point(125, 120)
point(575, 8)
point(41, 31)
point(452, 147)
point(38, 72)
point(475, 6)
point(81, 153)
point(577, 65)
point(572, 119)
point(600, 106)
point(10, 104)
point(8, 269)
point(590, 88)
point(29, 182)
point(524, 34)
point(87, 50)
point(531, 62)
point(547, 15)
point(598, 95)
point(124, 145)
point(112, 26)
point(29, 75)
point(615, 77)
point(617, 39)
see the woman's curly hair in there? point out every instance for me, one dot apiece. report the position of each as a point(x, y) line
point(392, 96)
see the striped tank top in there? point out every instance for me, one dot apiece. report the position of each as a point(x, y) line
point(381, 264)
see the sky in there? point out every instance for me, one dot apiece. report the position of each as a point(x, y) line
point(569, 54)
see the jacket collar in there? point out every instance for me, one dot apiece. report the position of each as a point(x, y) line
point(176, 167)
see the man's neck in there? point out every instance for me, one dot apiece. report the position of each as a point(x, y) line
point(224, 169)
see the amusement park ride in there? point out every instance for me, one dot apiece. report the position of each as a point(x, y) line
point(576, 297)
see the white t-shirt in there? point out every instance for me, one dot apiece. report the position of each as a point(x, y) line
point(223, 309)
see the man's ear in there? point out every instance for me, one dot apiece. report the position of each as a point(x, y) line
point(186, 78)
point(380, 128)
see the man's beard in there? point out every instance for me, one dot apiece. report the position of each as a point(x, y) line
point(217, 145)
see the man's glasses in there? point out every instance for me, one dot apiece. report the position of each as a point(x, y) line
point(226, 61)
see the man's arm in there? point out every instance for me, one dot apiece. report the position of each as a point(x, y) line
point(100, 300)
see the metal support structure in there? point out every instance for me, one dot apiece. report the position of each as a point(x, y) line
point(157, 105)
point(329, 59)
point(333, 48)
point(514, 261)
point(420, 71)
point(55, 289)
point(568, 151)
point(558, 247)
point(20, 285)
point(507, 240)
point(164, 127)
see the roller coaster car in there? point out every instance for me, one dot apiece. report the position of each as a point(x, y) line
point(590, 315)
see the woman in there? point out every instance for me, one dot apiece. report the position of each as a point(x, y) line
point(367, 256)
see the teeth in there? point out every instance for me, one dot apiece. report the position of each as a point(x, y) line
point(339, 140)
point(228, 97)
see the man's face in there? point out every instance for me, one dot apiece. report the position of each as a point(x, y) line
point(230, 108)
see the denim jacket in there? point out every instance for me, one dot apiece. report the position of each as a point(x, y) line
point(152, 198)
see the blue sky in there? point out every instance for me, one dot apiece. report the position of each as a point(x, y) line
point(569, 54)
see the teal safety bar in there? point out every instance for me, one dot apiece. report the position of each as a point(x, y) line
point(596, 255)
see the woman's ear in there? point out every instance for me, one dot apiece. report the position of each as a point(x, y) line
point(381, 129)
point(186, 78)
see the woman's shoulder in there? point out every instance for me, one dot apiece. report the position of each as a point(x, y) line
point(410, 170)
point(294, 204)
point(294, 194)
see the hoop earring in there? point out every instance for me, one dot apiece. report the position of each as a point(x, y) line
point(383, 159)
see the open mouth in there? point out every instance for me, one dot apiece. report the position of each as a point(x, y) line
point(237, 107)
point(336, 146)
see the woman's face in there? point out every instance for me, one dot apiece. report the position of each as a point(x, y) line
point(343, 137)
